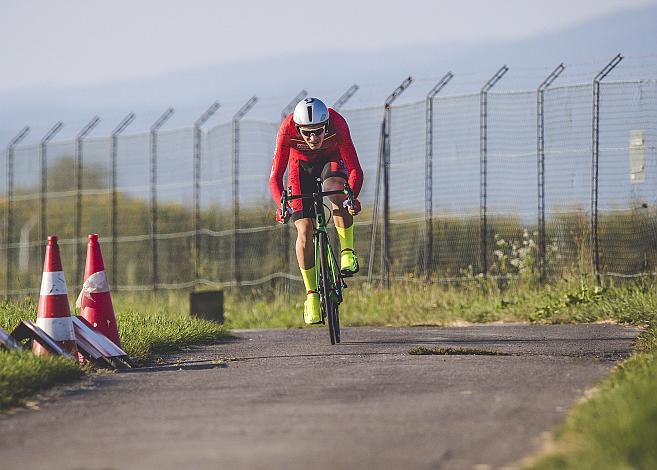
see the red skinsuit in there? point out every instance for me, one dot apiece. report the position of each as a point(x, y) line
point(290, 147)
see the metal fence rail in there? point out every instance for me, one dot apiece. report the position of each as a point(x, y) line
point(534, 183)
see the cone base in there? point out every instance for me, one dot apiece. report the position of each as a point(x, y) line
point(69, 346)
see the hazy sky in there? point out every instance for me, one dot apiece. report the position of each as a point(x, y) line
point(62, 43)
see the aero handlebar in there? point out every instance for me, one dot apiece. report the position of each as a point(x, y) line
point(287, 196)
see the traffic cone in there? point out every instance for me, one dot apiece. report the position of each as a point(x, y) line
point(54, 312)
point(95, 301)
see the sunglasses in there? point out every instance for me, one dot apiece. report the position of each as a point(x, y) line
point(317, 131)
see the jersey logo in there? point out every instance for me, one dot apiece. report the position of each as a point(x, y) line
point(327, 145)
point(305, 147)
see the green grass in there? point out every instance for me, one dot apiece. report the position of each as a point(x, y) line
point(145, 334)
point(12, 313)
point(22, 374)
point(415, 303)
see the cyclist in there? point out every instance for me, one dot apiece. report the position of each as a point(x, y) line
point(314, 141)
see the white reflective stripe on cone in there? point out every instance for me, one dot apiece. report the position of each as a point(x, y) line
point(96, 283)
point(59, 329)
point(53, 283)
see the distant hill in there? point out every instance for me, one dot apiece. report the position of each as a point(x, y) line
point(277, 79)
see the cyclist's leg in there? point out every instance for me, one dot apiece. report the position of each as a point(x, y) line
point(334, 177)
point(304, 244)
point(303, 218)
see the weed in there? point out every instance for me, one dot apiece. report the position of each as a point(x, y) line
point(440, 351)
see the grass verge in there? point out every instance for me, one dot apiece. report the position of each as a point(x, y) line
point(615, 427)
point(22, 374)
point(148, 335)
point(145, 335)
point(418, 304)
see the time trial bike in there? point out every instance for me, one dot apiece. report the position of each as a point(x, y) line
point(330, 281)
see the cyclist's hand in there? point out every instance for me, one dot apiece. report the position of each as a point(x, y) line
point(353, 210)
point(281, 218)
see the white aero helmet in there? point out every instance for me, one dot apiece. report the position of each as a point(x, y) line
point(310, 112)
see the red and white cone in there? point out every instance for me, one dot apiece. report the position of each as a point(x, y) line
point(95, 300)
point(54, 312)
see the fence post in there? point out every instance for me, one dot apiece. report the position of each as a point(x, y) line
point(9, 224)
point(43, 154)
point(285, 233)
point(540, 155)
point(79, 158)
point(345, 97)
point(153, 147)
point(375, 208)
point(483, 166)
point(384, 167)
point(113, 213)
point(595, 162)
point(291, 105)
point(428, 174)
point(197, 187)
point(236, 175)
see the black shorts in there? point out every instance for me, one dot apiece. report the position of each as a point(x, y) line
point(302, 180)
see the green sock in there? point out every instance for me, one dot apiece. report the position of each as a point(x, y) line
point(309, 278)
point(346, 236)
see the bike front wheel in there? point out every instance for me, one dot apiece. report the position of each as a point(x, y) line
point(327, 290)
point(336, 321)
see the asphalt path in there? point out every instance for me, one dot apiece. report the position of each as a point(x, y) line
point(287, 399)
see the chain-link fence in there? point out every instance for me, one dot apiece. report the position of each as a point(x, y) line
point(474, 184)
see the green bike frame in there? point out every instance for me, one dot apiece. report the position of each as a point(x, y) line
point(330, 281)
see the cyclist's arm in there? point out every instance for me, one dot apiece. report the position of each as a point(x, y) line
point(279, 164)
point(348, 155)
